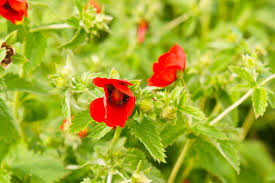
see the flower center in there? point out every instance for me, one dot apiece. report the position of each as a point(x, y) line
point(115, 96)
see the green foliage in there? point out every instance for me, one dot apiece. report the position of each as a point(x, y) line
point(243, 73)
point(16, 83)
point(2, 53)
point(209, 158)
point(170, 133)
point(259, 99)
point(193, 111)
point(4, 176)
point(35, 48)
point(9, 130)
point(98, 130)
point(147, 133)
point(80, 121)
point(39, 168)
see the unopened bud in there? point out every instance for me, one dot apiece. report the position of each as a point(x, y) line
point(169, 113)
point(146, 105)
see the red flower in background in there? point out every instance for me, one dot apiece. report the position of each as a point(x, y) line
point(96, 5)
point(118, 103)
point(165, 70)
point(13, 10)
point(82, 134)
point(142, 29)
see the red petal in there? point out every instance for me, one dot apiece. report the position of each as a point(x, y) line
point(118, 115)
point(2, 2)
point(101, 82)
point(123, 88)
point(97, 109)
point(163, 78)
point(18, 5)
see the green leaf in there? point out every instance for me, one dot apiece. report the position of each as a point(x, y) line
point(147, 133)
point(193, 111)
point(2, 53)
point(133, 156)
point(4, 176)
point(243, 73)
point(9, 130)
point(4, 149)
point(77, 39)
point(80, 121)
point(35, 47)
point(171, 133)
point(38, 167)
point(15, 83)
point(210, 159)
point(259, 98)
point(11, 38)
point(210, 131)
point(97, 130)
point(230, 153)
point(19, 59)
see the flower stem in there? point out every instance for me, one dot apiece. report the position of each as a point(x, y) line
point(179, 161)
point(51, 27)
point(237, 103)
point(115, 138)
point(109, 178)
point(187, 169)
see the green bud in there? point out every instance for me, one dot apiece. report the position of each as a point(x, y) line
point(114, 74)
point(169, 113)
point(158, 104)
point(146, 105)
point(250, 61)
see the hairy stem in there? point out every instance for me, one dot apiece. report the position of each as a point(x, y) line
point(109, 178)
point(179, 161)
point(237, 103)
point(51, 27)
point(115, 138)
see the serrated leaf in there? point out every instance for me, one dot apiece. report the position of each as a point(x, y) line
point(4, 176)
point(171, 133)
point(210, 159)
point(147, 133)
point(35, 47)
point(2, 53)
point(229, 152)
point(15, 83)
point(210, 131)
point(9, 130)
point(193, 111)
point(259, 99)
point(39, 168)
point(243, 73)
point(80, 121)
point(98, 130)
point(132, 159)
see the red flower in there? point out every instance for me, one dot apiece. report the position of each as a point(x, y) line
point(13, 10)
point(96, 5)
point(165, 70)
point(118, 103)
point(142, 29)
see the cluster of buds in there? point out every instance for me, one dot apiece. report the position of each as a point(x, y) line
point(9, 53)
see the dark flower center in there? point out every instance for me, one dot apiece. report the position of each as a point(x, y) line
point(115, 96)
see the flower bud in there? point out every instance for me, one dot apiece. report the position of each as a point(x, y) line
point(146, 105)
point(169, 113)
point(140, 177)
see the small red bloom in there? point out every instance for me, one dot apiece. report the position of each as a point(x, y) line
point(142, 29)
point(96, 5)
point(165, 70)
point(82, 134)
point(13, 10)
point(118, 103)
